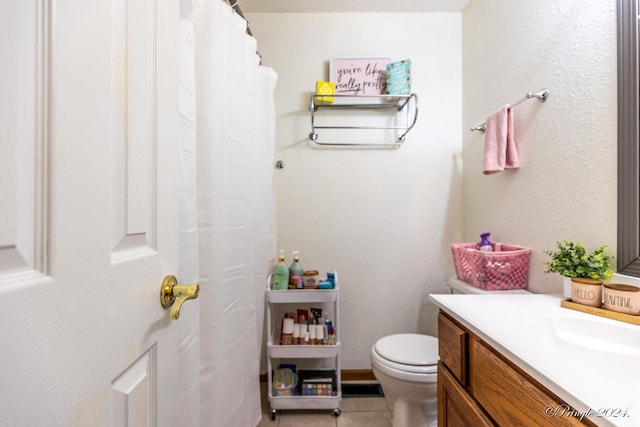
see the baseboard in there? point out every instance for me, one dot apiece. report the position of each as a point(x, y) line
point(346, 375)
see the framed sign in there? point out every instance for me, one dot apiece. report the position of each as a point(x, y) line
point(359, 76)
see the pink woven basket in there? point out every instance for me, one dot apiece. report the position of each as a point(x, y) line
point(507, 267)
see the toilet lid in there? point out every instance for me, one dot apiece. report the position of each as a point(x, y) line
point(409, 349)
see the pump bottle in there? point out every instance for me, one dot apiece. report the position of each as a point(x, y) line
point(281, 275)
point(295, 271)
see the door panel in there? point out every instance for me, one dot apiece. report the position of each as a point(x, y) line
point(23, 145)
point(134, 86)
point(132, 393)
point(88, 212)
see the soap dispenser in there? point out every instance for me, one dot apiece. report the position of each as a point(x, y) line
point(485, 244)
point(295, 270)
point(281, 275)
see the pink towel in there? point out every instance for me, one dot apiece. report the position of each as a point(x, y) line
point(500, 150)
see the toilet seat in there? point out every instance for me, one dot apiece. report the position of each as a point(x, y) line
point(410, 353)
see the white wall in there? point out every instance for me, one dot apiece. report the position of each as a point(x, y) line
point(384, 219)
point(566, 186)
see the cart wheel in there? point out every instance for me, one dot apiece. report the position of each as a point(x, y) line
point(337, 412)
point(273, 415)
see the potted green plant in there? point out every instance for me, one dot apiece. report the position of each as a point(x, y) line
point(585, 271)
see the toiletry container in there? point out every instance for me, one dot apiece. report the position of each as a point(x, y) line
point(485, 244)
point(287, 331)
point(310, 279)
point(281, 275)
point(295, 272)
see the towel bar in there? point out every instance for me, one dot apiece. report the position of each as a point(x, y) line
point(542, 95)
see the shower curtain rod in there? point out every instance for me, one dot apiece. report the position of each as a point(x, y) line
point(236, 7)
point(542, 95)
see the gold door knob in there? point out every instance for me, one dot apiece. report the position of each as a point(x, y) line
point(170, 291)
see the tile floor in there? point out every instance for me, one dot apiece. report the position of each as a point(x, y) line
point(355, 412)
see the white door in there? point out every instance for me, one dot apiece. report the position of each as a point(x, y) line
point(88, 212)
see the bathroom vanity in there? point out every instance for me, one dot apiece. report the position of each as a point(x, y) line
point(524, 360)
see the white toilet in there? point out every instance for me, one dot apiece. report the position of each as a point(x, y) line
point(406, 367)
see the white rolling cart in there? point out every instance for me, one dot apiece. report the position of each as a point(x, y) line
point(294, 299)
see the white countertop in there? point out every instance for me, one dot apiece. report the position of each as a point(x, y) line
point(518, 326)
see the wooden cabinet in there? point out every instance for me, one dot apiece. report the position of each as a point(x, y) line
point(456, 408)
point(478, 386)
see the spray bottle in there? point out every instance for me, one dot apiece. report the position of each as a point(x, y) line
point(281, 275)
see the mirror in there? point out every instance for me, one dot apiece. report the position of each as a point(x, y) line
point(628, 256)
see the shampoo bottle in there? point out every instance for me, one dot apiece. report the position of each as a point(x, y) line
point(281, 275)
point(485, 244)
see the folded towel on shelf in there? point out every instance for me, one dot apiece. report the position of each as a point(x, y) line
point(500, 151)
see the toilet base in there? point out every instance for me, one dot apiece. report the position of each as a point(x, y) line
point(407, 414)
point(414, 404)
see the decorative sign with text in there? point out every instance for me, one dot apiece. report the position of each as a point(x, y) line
point(359, 76)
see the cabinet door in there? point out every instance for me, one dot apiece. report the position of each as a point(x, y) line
point(510, 395)
point(455, 407)
point(452, 347)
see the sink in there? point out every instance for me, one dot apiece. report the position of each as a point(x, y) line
point(589, 334)
point(592, 345)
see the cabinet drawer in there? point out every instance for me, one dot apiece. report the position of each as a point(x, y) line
point(509, 394)
point(453, 347)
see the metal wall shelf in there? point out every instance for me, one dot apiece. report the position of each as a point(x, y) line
point(404, 105)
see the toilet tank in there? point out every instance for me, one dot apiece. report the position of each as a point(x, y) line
point(457, 286)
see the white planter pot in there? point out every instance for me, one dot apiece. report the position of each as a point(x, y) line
point(586, 291)
point(622, 298)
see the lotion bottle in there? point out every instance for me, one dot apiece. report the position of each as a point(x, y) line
point(281, 275)
point(295, 269)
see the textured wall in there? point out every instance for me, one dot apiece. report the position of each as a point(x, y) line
point(383, 219)
point(566, 187)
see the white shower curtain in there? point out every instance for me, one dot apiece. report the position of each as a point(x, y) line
point(228, 221)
